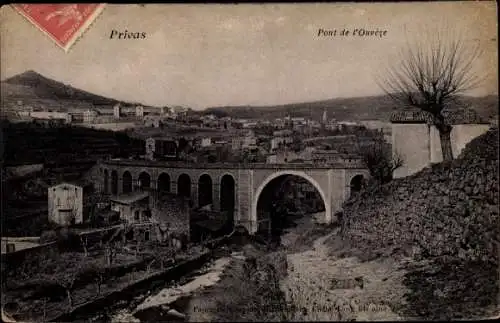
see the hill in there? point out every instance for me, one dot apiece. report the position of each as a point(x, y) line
point(359, 108)
point(31, 85)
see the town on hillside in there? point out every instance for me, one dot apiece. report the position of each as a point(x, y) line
point(368, 207)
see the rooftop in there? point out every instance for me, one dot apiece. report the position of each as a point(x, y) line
point(461, 116)
point(129, 197)
point(79, 183)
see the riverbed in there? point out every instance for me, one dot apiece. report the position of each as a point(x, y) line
point(172, 302)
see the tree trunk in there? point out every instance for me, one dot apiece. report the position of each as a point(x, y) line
point(44, 309)
point(70, 300)
point(84, 245)
point(445, 138)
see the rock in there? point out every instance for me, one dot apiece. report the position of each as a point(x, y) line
point(176, 313)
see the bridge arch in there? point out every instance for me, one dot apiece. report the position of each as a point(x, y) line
point(356, 184)
point(106, 181)
point(184, 185)
point(260, 189)
point(164, 183)
point(114, 182)
point(144, 180)
point(126, 182)
point(205, 190)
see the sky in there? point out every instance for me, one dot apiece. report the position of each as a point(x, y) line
point(247, 54)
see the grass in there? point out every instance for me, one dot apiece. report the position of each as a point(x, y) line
point(301, 237)
point(249, 291)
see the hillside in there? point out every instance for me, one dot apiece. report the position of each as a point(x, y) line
point(32, 85)
point(26, 143)
point(360, 108)
point(446, 219)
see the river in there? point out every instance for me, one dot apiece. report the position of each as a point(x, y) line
point(171, 302)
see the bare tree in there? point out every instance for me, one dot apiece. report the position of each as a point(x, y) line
point(431, 73)
point(380, 162)
point(84, 243)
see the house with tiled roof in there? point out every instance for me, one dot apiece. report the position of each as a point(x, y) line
point(416, 140)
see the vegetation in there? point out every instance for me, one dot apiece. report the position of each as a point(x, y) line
point(431, 73)
point(248, 291)
point(26, 143)
point(380, 161)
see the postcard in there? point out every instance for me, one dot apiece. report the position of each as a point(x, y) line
point(249, 162)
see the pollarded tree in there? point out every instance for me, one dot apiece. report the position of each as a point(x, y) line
point(430, 74)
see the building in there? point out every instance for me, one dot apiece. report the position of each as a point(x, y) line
point(278, 142)
point(161, 147)
point(139, 111)
point(19, 243)
point(132, 207)
point(284, 156)
point(416, 140)
point(330, 156)
point(117, 111)
point(89, 116)
point(245, 142)
point(283, 133)
point(170, 217)
point(206, 142)
point(249, 124)
point(62, 117)
point(67, 203)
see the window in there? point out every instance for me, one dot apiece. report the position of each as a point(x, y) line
point(146, 236)
point(136, 215)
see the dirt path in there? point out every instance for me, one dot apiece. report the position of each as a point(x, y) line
point(325, 288)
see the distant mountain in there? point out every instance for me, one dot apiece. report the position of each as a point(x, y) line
point(32, 85)
point(359, 108)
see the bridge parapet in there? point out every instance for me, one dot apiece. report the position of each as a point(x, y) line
point(353, 163)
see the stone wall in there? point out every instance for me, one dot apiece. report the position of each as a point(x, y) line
point(171, 213)
point(447, 216)
point(448, 208)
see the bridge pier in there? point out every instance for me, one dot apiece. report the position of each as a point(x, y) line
point(173, 187)
point(216, 195)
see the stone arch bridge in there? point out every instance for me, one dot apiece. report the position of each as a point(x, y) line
point(230, 186)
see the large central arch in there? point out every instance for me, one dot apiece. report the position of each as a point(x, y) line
point(258, 192)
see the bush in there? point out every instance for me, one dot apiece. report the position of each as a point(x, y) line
point(380, 162)
point(48, 236)
point(252, 290)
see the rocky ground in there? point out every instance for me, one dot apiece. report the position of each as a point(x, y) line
point(327, 288)
point(445, 219)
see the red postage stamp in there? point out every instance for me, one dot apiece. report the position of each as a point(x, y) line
point(64, 23)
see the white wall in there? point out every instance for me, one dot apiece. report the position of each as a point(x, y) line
point(118, 126)
point(65, 196)
point(420, 144)
point(411, 142)
point(462, 134)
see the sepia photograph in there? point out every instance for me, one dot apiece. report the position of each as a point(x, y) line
point(249, 162)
